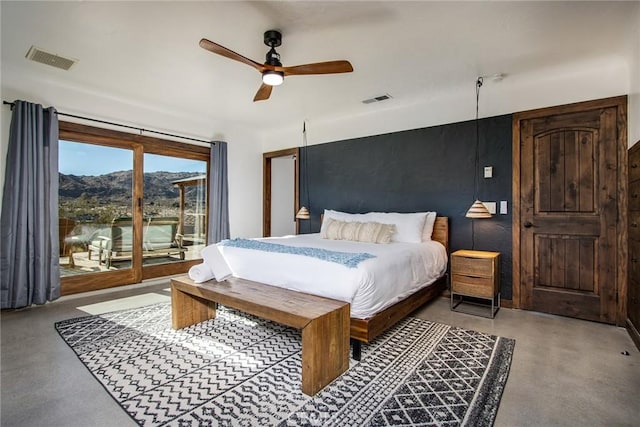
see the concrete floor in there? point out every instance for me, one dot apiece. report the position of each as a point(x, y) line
point(565, 372)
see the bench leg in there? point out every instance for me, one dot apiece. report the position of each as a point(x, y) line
point(325, 349)
point(187, 309)
point(357, 349)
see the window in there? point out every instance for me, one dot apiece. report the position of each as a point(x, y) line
point(131, 207)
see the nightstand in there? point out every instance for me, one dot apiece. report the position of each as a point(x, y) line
point(475, 275)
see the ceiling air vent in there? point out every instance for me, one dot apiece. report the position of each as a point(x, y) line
point(39, 55)
point(377, 99)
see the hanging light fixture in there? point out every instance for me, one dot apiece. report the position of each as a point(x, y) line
point(303, 212)
point(477, 209)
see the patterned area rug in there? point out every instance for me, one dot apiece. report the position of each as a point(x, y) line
point(239, 370)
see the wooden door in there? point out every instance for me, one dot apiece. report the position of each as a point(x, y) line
point(633, 285)
point(570, 217)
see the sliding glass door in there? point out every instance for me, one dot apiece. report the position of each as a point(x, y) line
point(175, 206)
point(95, 197)
point(131, 207)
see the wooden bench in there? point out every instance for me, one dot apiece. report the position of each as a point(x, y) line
point(324, 322)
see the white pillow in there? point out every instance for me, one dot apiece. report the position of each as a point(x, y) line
point(339, 216)
point(409, 226)
point(427, 231)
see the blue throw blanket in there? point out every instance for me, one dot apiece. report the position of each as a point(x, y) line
point(347, 259)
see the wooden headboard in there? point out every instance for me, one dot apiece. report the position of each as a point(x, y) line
point(441, 231)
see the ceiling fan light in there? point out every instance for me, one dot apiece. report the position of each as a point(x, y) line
point(272, 78)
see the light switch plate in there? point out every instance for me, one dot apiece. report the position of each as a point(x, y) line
point(503, 207)
point(488, 171)
point(491, 207)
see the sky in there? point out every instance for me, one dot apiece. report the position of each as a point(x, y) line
point(92, 160)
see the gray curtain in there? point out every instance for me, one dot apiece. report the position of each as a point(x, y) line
point(218, 194)
point(29, 257)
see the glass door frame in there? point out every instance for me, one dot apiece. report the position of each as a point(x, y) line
point(139, 145)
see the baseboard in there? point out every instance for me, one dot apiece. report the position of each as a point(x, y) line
point(506, 303)
point(633, 333)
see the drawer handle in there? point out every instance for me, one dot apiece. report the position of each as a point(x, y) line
point(634, 196)
point(528, 224)
point(634, 166)
point(634, 225)
point(634, 259)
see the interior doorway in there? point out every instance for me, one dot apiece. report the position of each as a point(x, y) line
point(280, 192)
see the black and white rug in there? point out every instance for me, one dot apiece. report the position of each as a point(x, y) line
point(239, 370)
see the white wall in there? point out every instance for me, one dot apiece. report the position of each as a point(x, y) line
point(282, 196)
point(599, 78)
point(634, 77)
point(245, 184)
point(244, 146)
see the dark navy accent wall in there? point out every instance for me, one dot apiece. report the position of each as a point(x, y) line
point(418, 170)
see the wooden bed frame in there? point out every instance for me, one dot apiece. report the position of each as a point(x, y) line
point(365, 330)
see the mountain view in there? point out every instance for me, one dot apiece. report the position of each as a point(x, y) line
point(101, 198)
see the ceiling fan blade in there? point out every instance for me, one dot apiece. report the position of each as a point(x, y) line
point(228, 53)
point(330, 67)
point(263, 93)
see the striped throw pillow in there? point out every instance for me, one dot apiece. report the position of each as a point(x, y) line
point(369, 232)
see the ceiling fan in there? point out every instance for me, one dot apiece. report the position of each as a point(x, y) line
point(272, 71)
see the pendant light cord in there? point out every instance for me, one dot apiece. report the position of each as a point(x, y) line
point(306, 170)
point(306, 163)
point(477, 160)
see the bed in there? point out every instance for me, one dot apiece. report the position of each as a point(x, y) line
point(371, 314)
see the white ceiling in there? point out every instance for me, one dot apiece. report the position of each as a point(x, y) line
point(146, 54)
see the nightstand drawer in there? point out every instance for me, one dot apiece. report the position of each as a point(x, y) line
point(484, 287)
point(476, 275)
point(472, 266)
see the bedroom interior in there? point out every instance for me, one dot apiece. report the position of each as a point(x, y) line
point(412, 149)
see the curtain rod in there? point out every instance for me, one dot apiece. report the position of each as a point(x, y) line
point(12, 104)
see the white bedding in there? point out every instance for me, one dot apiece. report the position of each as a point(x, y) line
point(397, 270)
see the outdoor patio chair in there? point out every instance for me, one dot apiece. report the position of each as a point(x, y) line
point(115, 242)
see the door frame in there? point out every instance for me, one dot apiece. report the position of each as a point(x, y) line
point(620, 102)
point(266, 186)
